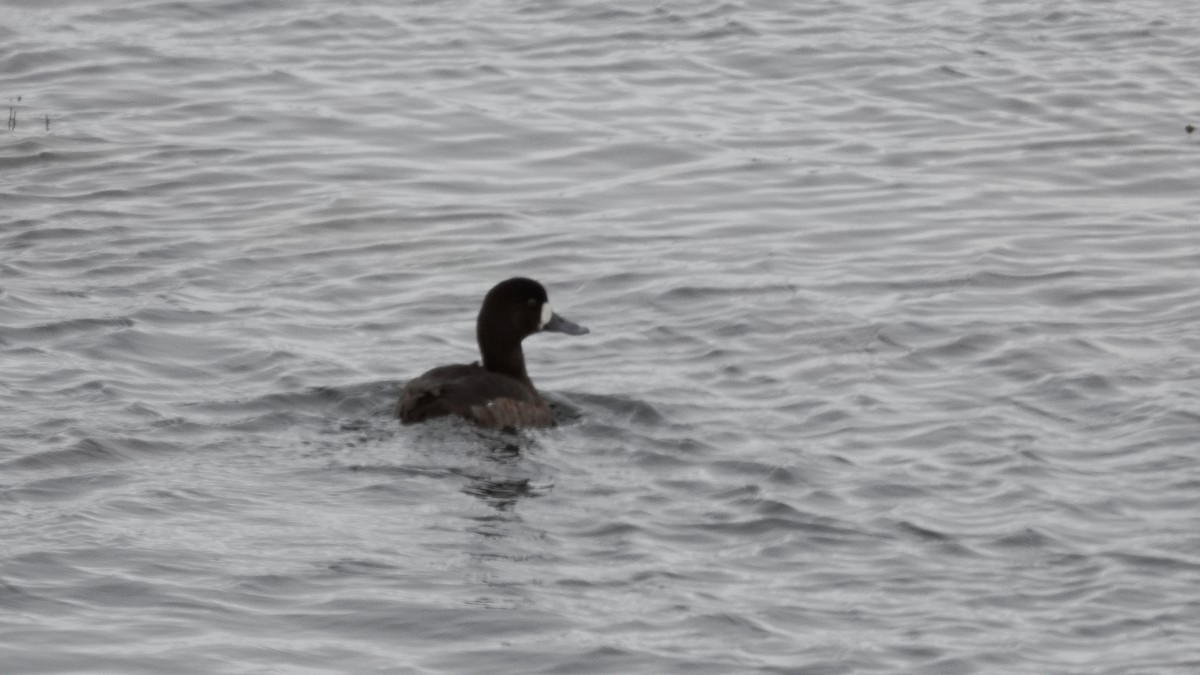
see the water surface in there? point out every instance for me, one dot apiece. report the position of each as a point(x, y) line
point(892, 368)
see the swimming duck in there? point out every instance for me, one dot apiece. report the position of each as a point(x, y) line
point(497, 394)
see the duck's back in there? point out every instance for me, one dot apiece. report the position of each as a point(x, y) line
point(473, 393)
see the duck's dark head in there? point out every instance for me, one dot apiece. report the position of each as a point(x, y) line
point(517, 308)
point(512, 311)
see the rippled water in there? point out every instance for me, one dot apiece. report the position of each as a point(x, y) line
point(893, 364)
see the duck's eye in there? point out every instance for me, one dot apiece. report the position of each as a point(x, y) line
point(532, 302)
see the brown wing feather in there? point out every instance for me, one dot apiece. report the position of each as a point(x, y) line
point(502, 413)
point(424, 397)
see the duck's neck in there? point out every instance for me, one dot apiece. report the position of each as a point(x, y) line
point(505, 359)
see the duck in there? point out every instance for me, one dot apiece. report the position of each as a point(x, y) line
point(495, 392)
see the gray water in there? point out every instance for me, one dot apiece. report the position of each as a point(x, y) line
point(893, 364)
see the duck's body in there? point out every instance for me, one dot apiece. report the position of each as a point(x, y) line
point(497, 392)
point(476, 394)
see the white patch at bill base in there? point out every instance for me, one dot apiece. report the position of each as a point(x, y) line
point(546, 314)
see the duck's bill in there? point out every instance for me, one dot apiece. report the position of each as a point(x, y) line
point(557, 324)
